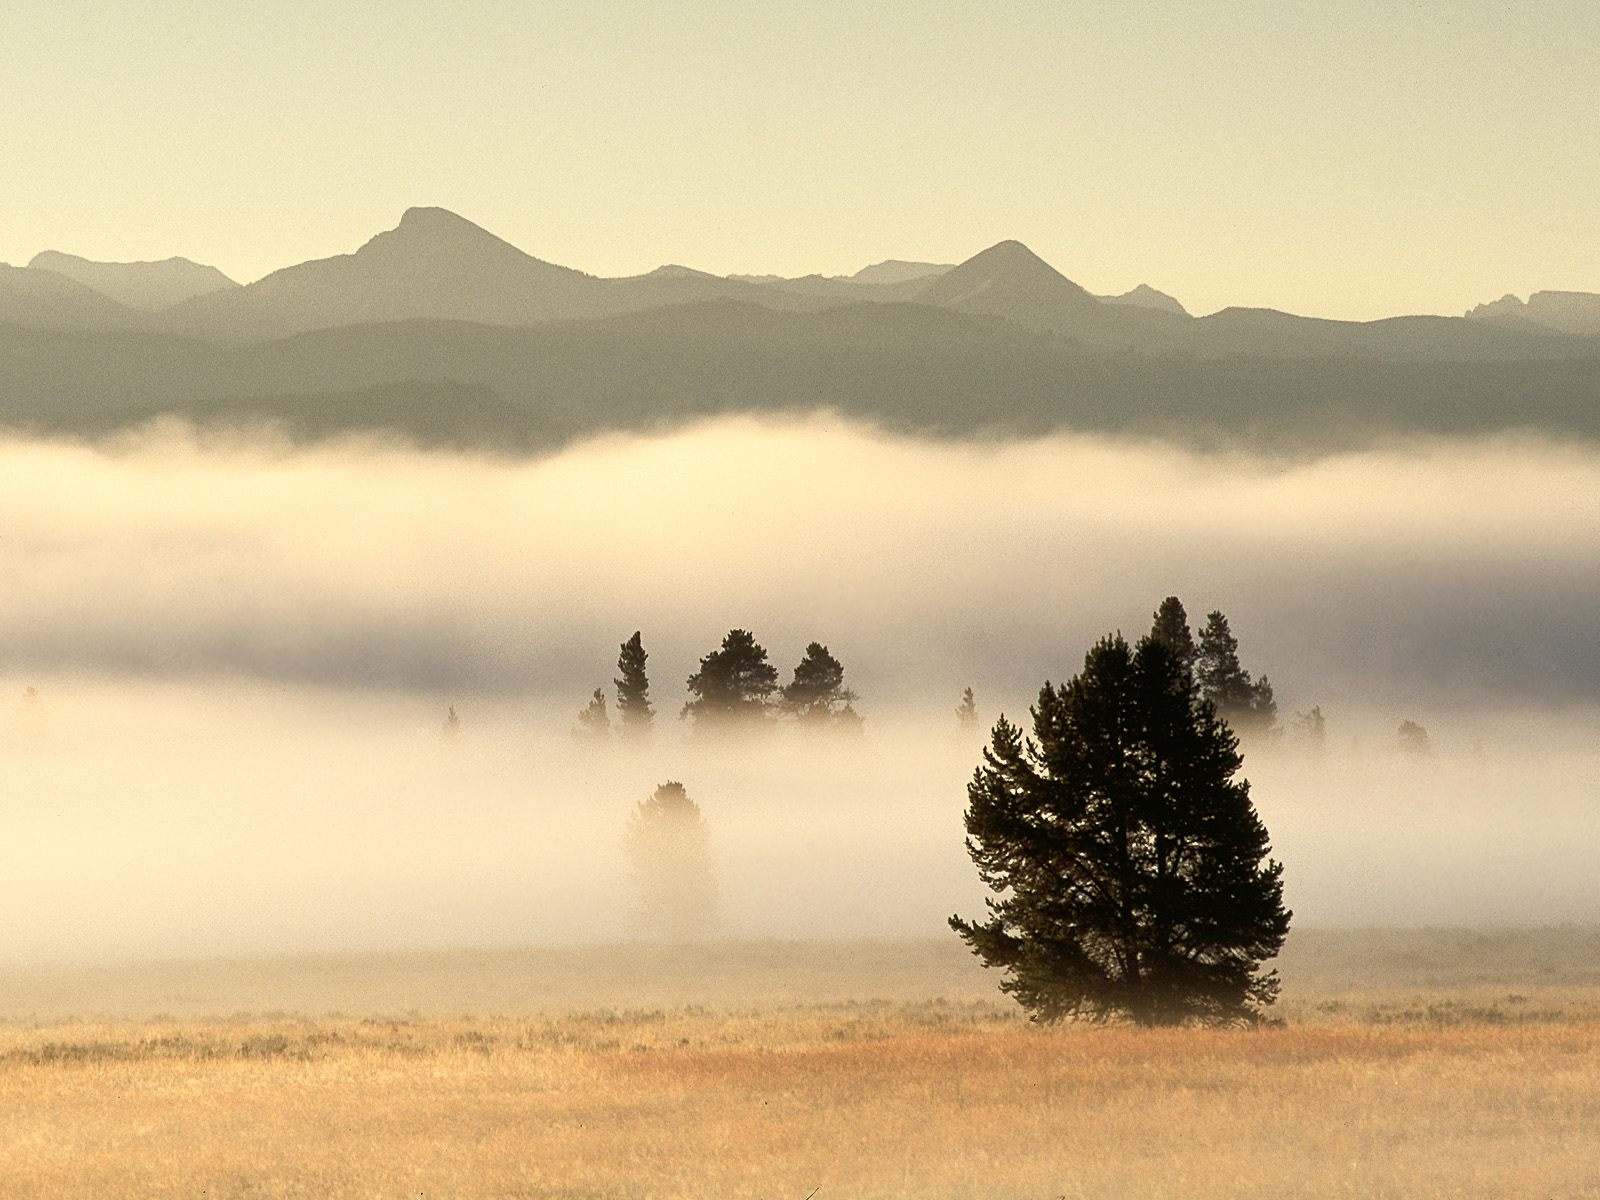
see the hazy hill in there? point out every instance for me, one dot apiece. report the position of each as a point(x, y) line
point(909, 367)
point(894, 270)
point(436, 265)
point(1268, 333)
point(1145, 296)
point(443, 332)
point(1576, 313)
point(1009, 280)
point(45, 300)
point(151, 286)
point(433, 264)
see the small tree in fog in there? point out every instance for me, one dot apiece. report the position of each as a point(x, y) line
point(633, 690)
point(817, 696)
point(967, 712)
point(594, 723)
point(1413, 738)
point(668, 851)
point(1249, 707)
point(1311, 726)
point(1129, 867)
point(732, 686)
point(452, 722)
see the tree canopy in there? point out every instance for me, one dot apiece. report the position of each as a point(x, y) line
point(1171, 629)
point(733, 684)
point(1247, 705)
point(817, 695)
point(1129, 867)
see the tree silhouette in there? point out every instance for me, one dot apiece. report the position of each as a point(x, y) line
point(633, 690)
point(817, 695)
point(668, 850)
point(1129, 866)
point(1413, 738)
point(967, 712)
point(1312, 726)
point(733, 683)
point(1171, 629)
point(1247, 706)
point(594, 723)
point(452, 722)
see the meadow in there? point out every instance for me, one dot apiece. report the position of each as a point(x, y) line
point(1429, 1063)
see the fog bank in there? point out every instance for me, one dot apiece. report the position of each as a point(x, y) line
point(243, 653)
point(1450, 573)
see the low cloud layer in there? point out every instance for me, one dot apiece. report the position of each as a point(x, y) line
point(243, 653)
point(1447, 573)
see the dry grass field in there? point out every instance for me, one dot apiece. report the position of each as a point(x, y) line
point(1410, 1065)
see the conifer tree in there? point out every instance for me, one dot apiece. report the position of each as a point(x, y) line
point(967, 712)
point(732, 687)
point(633, 690)
point(668, 850)
point(1246, 705)
point(817, 694)
point(594, 723)
point(1171, 629)
point(1130, 867)
point(1311, 726)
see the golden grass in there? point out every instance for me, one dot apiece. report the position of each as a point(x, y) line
point(1467, 1090)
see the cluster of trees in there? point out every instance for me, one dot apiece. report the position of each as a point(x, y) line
point(735, 688)
point(1129, 868)
point(1245, 704)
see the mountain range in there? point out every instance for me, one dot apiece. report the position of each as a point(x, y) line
point(445, 332)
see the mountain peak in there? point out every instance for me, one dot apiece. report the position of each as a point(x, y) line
point(1145, 296)
point(442, 239)
point(1576, 313)
point(897, 270)
point(437, 223)
point(151, 286)
point(422, 214)
point(1009, 250)
point(1002, 277)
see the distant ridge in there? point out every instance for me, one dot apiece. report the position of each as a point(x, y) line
point(32, 298)
point(435, 265)
point(151, 286)
point(1576, 313)
point(1145, 296)
point(895, 270)
point(1011, 281)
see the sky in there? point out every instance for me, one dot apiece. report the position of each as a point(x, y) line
point(1355, 159)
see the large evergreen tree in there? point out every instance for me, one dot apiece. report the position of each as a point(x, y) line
point(817, 695)
point(633, 689)
point(1129, 866)
point(733, 684)
point(1171, 629)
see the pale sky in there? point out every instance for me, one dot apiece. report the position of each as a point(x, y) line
point(1353, 159)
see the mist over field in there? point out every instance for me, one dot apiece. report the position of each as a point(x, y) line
point(243, 652)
